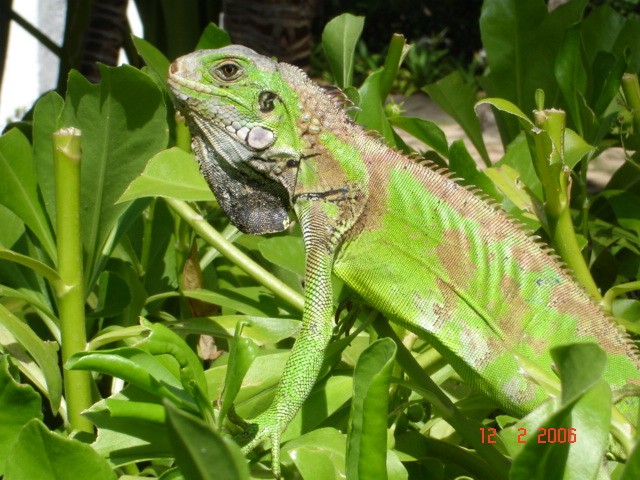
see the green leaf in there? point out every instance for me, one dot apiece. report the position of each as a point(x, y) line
point(256, 301)
point(131, 427)
point(213, 37)
point(136, 367)
point(43, 353)
point(37, 266)
point(154, 58)
point(19, 187)
point(457, 98)
point(464, 166)
point(200, 452)
point(326, 399)
point(161, 341)
point(242, 354)
point(625, 208)
point(571, 75)
point(123, 123)
point(19, 403)
point(287, 252)
point(392, 61)
point(261, 330)
point(371, 112)
point(631, 470)
point(575, 148)
point(12, 227)
point(114, 296)
point(585, 407)
point(46, 115)
point(170, 173)
point(259, 383)
point(510, 108)
point(521, 39)
point(339, 40)
point(608, 31)
point(39, 453)
point(367, 435)
point(318, 455)
point(425, 131)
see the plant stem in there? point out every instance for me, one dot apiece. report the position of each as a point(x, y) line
point(631, 91)
point(235, 255)
point(70, 291)
point(549, 157)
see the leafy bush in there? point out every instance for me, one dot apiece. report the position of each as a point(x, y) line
point(117, 255)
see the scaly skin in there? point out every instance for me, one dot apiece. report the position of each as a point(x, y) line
point(425, 251)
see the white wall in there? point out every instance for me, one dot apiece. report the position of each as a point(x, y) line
point(31, 69)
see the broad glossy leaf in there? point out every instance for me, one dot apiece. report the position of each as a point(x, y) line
point(287, 252)
point(607, 30)
point(371, 113)
point(327, 398)
point(19, 403)
point(136, 367)
point(12, 227)
point(510, 108)
point(367, 435)
point(339, 40)
point(46, 116)
point(464, 166)
point(571, 75)
point(154, 58)
point(131, 427)
point(318, 455)
point(171, 173)
point(202, 453)
point(256, 301)
point(261, 330)
point(34, 264)
point(163, 340)
point(425, 131)
point(631, 470)
point(457, 98)
point(43, 353)
point(114, 295)
point(39, 453)
point(19, 187)
point(395, 54)
point(258, 386)
point(213, 37)
point(242, 354)
point(123, 124)
point(544, 457)
point(521, 39)
point(625, 208)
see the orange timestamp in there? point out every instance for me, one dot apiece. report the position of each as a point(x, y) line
point(544, 435)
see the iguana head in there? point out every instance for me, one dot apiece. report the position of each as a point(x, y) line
point(235, 104)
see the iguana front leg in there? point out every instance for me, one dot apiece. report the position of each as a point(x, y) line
point(303, 365)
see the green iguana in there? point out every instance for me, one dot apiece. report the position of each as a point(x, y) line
point(427, 252)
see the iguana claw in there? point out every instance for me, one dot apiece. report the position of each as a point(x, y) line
point(263, 427)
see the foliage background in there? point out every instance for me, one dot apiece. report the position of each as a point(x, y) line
point(154, 244)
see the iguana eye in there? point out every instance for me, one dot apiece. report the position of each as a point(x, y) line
point(228, 71)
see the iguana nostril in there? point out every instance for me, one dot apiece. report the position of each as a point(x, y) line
point(174, 68)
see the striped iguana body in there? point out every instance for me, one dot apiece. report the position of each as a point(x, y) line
point(427, 252)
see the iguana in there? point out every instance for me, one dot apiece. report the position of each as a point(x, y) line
point(427, 252)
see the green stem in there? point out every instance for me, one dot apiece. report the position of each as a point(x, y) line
point(235, 255)
point(631, 91)
point(69, 291)
point(549, 158)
